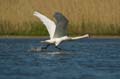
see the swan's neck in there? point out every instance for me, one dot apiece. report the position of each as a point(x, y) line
point(79, 37)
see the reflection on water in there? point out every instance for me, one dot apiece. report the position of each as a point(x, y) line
point(84, 59)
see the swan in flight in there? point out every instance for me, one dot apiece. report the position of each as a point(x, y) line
point(57, 31)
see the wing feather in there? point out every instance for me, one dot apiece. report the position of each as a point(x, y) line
point(50, 25)
point(61, 25)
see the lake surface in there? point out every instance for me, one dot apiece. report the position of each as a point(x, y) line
point(82, 59)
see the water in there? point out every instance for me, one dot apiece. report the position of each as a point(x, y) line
point(84, 59)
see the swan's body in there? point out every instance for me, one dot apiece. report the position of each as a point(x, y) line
point(57, 41)
point(58, 31)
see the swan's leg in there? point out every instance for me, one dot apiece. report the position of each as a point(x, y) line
point(45, 47)
point(42, 48)
point(62, 49)
point(58, 48)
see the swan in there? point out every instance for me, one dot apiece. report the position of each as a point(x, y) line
point(57, 31)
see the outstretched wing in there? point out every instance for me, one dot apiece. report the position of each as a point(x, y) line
point(50, 25)
point(61, 25)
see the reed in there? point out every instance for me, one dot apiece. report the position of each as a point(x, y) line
point(96, 17)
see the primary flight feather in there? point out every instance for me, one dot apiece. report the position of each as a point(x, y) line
point(50, 25)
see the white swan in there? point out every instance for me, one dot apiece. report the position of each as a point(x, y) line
point(58, 30)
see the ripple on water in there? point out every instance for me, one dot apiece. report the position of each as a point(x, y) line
point(83, 59)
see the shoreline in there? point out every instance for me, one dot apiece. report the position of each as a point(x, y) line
point(94, 36)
